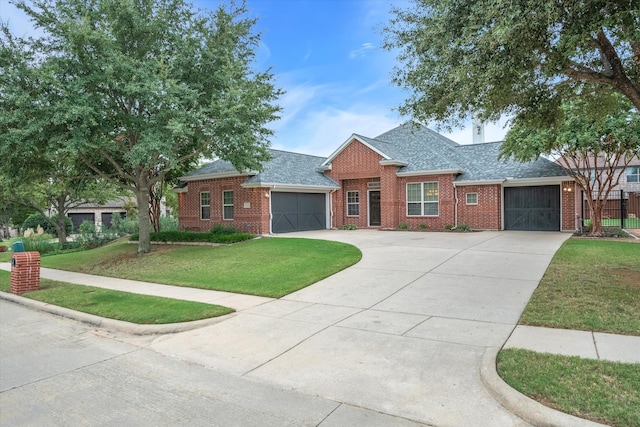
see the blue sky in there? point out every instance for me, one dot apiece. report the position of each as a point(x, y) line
point(327, 56)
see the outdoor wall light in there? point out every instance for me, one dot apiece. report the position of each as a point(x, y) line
point(568, 189)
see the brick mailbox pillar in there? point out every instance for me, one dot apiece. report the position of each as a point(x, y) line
point(25, 272)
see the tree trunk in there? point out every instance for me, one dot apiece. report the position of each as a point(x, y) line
point(155, 196)
point(596, 207)
point(61, 226)
point(142, 197)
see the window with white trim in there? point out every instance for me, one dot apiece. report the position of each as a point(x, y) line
point(205, 205)
point(227, 205)
point(353, 203)
point(633, 174)
point(422, 199)
point(472, 198)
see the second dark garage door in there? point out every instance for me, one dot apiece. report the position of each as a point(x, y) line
point(532, 208)
point(298, 212)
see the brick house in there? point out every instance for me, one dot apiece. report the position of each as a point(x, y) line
point(409, 175)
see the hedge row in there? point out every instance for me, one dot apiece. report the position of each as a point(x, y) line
point(194, 236)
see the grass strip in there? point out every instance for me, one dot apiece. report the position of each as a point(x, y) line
point(270, 267)
point(134, 308)
point(590, 285)
point(601, 391)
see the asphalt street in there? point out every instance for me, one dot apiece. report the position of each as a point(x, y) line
point(59, 372)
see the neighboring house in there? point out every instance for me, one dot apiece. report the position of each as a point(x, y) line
point(100, 215)
point(409, 175)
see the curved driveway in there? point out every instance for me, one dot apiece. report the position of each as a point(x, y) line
point(402, 332)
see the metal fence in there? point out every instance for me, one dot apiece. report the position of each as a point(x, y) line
point(621, 209)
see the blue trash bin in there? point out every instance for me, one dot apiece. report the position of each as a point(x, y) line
point(18, 247)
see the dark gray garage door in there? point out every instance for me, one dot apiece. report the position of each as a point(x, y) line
point(532, 208)
point(77, 218)
point(298, 212)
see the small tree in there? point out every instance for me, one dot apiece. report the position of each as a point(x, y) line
point(594, 139)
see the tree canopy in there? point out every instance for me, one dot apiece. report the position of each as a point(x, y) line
point(135, 88)
point(512, 58)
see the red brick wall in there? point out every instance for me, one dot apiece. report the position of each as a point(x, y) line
point(487, 214)
point(354, 162)
point(339, 210)
point(446, 208)
point(252, 219)
point(568, 206)
point(357, 165)
point(25, 272)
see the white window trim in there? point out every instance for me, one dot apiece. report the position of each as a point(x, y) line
point(224, 218)
point(422, 201)
point(467, 198)
point(636, 175)
point(357, 204)
point(202, 205)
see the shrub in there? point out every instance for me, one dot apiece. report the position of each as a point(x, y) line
point(90, 237)
point(349, 227)
point(194, 236)
point(123, 226)
point(224, 229)
point(448, 227)
point(168, 223)
point(68, 225)
point(403, 226)
point(34, 221)
point(464, 227)
point(423, 226)
point(39, 243)
point(37, 219)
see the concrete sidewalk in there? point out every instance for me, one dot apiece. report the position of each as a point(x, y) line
point(585, 344)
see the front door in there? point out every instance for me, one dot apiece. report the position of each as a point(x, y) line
point(374, 208)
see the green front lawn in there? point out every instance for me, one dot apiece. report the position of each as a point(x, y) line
point(601, 391)
point(591, 285)
point(271, 267)
point(134, 308)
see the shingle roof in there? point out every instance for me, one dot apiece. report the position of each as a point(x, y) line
point(289, 168)
point(419, 147)
point(284, 167)
point(481, 163)
point(414, 145)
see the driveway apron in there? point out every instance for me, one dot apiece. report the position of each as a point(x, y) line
point(402, 332)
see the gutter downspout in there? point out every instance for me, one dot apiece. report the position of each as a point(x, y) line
point(270, 210)
point(455, 206)
point(331, 208)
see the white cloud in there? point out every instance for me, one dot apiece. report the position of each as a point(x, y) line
point(362, 51)
point(323, 131)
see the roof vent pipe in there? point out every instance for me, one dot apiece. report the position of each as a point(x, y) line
point(478, 131)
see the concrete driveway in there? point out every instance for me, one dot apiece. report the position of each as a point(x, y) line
point(402, 332)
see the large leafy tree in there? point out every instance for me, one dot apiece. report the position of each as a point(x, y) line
point(594, 145)
point(142, 86)
point(39, 173)
point(517, 58)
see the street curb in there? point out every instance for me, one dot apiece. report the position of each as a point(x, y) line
point(112, 324)
point(520, 405)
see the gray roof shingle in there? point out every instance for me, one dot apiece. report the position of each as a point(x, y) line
point(284, 167)
point(415, 145)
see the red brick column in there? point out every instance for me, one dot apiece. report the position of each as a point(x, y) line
point(25, 272)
